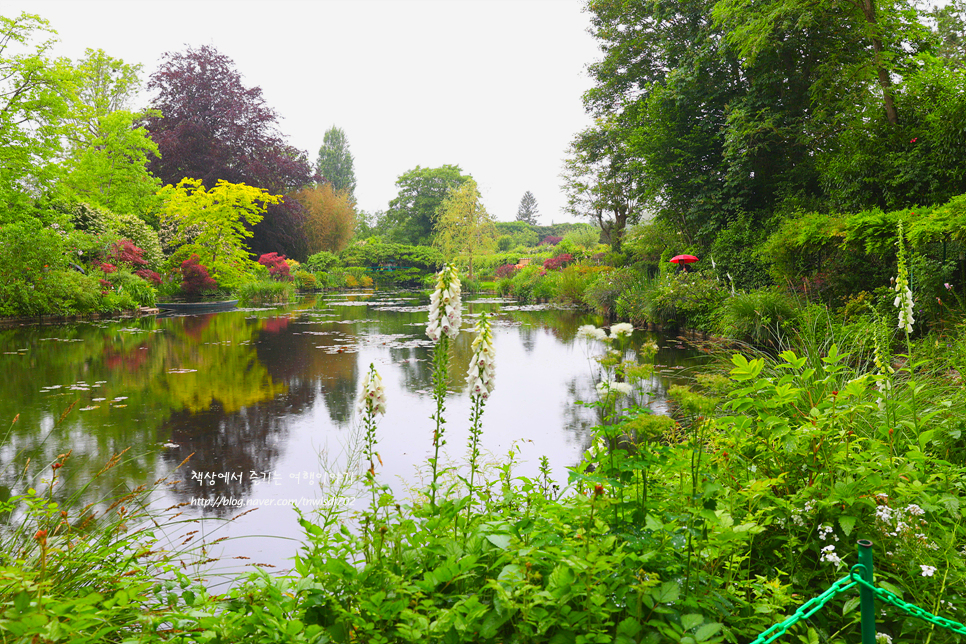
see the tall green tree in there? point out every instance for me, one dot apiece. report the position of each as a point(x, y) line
point(33, 88)
point(464, 227)
point(334, 163)
point(412, 215)
point(528, 210)
point(601, 181)
point(109, 148)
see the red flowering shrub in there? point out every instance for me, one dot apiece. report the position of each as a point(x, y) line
point(277, 266)
point(550, 240)
point(506, 271)
point(149, 276)
point(558, 262)
point(195, 278)
point(125, 252)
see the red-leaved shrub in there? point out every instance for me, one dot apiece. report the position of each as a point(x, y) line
point(195, 278)
point(550, 240)
point(149, 276)
point(505, 271)
point(125, 252)
point(558, 262)
point(277, 266)
point(108, 268)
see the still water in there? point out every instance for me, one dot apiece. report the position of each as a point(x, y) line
point(263, 402)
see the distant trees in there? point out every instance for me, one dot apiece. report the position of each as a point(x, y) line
point(528, 210)
point(463, 225)
point(209, 126)
point(334, 163)
point(411, 217)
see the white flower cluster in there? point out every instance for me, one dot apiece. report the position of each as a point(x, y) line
point(621, 329)
point(445, 307)
point(372, 398)
point(591, 332)
point(618, 330)
point(883, 638)
point(927, 571)
point(797, 517)
point(829, 555)
point(607, 387)
point(481, 374)
point(825, 530)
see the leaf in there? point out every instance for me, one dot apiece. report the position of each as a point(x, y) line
point(851, 605)
point(707, 631)
point(847, 524)
point(667, 592)
point(501, 541)
point(691, 620)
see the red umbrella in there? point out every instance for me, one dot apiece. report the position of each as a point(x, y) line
point(683, 259)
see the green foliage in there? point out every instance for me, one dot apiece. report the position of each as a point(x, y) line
point(602, 293)
point(322, 261)
point(335, 162)
point(265, 291)
point(760, 317)
point(587, 237)
point(374, 253)
point(683, 300)
point(736, 251)
point(32, 108)
point(412, 215)
point(212, 224)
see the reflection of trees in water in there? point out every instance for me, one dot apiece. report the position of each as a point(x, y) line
point(528, 337)
point(415, 365)
point(300, 358)
point(577, 419)
point(235, 445)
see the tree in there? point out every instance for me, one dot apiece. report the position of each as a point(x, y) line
point(411, 217)
point(109, 148)
point(212, 224)
point(32, 108)
point(334, 164)
point(601, 181)
point(528, 209)
point(111, 171)
point(213, 128)
point(330, 218)
point(463, 226)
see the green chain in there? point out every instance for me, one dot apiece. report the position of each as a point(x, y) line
point(905, 606)
point(806, 610)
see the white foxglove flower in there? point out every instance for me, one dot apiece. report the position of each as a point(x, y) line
point(372, 398)
point(904, 303)
point(482, 372)
point(445, 307)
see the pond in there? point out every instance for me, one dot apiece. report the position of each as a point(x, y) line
point(263, 401)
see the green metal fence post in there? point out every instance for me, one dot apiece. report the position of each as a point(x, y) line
point(866, 596)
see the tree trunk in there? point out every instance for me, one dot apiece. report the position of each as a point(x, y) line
point(868, 9)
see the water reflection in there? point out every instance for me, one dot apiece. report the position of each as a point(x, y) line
point(253, 396)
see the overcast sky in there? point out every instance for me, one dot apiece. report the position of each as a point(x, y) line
point(493, 86)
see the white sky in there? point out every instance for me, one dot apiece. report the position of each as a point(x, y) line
point(493, 86)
